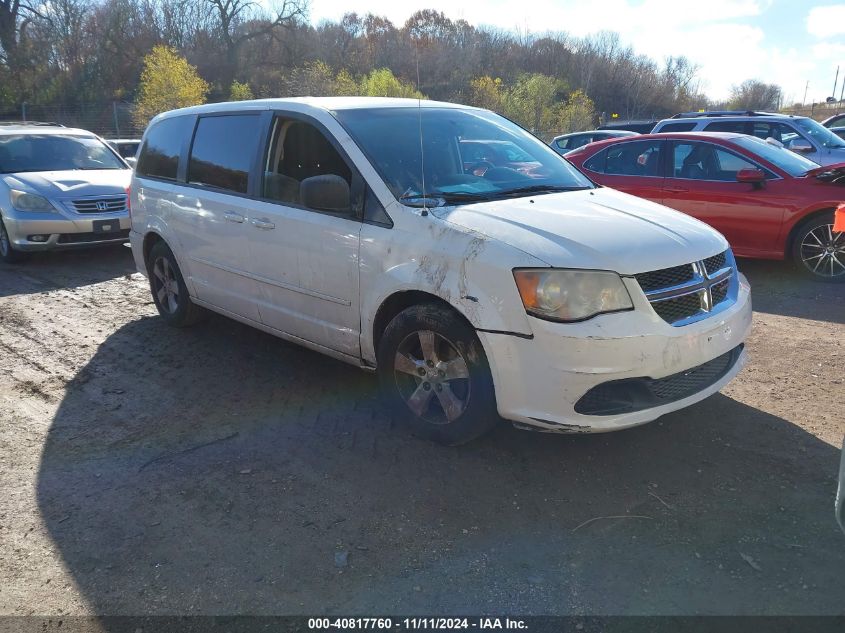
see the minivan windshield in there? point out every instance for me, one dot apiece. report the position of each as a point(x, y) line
point(790, 162)
point(820, 134)
point(54, 152)
point(443, 156)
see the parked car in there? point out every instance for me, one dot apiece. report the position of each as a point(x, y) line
point(640, 126)
point(59, 188)
point(538, 297)
point(769, 202)
point(568, 142)
point(797, 133)
point(839, 131)
point(834, 121)
point(126, 147)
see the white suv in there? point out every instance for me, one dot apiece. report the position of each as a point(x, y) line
point(59, 188)
point(797, 133)
point(358, 228)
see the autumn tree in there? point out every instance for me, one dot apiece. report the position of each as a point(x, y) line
point(383, 83)
point(168, 81)
point(576, 114)
point(486, 92)
point(240, 92)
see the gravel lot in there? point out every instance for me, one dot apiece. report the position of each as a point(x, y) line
point(218, 470)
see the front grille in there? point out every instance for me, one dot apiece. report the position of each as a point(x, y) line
point(100, 205)
point(665, 278)
point(719, 291)
point(636, 394)
point(715, 264)
point(678, 308)
point(680, 293)
point(83, 238)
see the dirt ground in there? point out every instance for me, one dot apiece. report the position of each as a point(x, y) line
point(218, 470)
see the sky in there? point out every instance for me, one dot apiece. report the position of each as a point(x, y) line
point(787, 42)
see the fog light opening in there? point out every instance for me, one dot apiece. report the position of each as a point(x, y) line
point(37, 238)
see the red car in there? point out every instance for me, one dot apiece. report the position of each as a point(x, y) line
point(769, 203)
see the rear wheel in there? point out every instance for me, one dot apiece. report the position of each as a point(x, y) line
point(168, 288)
point(8, 253)
point(819, 251)
point(435, 375)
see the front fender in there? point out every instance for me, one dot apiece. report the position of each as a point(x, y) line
point(471, 272)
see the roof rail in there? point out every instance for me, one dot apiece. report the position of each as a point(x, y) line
point(33, 123)
point(718, 113)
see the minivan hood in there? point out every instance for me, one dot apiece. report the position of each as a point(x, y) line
point(600, 229)
point(73, 183)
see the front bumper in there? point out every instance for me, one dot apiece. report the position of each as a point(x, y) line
point(62, 232)
point(540, 380)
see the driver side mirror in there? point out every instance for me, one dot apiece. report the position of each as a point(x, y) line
point(801, 146)
point(326, 193)
point(754, 177)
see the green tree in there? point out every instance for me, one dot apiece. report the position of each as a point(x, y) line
point(168, 81)
point(530, 102)
point(486, 92)
point(345, 85)
point(240, 92)
point(383, 83)
point(577, 114)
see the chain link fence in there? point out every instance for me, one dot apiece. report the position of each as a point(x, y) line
point(110, 119)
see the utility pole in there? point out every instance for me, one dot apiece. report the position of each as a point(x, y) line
point(835, 81)
point(806, 88)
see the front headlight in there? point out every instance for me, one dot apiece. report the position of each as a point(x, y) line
point(24, 201)
point(571, 295)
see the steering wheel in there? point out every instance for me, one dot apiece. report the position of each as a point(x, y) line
point(480, 168)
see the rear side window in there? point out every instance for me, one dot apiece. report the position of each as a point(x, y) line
point(159, 157)
point(677, 127)
point(223, 150)
point(740, 127)
point(638, 158)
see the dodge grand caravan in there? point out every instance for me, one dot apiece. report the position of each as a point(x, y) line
point(356, 227)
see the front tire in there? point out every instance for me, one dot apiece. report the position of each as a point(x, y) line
point(435, 375)
point(818, 251)
point(8, 254)
point(170, 294)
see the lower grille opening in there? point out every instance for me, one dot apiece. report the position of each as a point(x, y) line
point(636, 394)
point(82, 238)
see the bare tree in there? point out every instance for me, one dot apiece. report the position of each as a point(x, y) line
point(241, 21)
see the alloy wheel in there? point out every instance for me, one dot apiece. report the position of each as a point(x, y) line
point(165, 285)
point(432, 377)
point(823, 251)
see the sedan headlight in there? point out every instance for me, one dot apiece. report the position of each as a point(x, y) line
point(571, 295)
point(24, 201)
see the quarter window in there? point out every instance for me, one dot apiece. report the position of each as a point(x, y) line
point(223, 150)
point(159, 156)
point(299, 151)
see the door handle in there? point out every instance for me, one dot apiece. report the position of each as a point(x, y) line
point(675, 190)
point(231, 216)
point(262, 223)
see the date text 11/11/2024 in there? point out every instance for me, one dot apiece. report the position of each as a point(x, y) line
point(419, 623)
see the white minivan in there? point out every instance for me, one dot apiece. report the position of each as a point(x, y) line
point(477, 290)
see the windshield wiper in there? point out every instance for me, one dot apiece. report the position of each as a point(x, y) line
point(439, 198)
point(538, 189)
